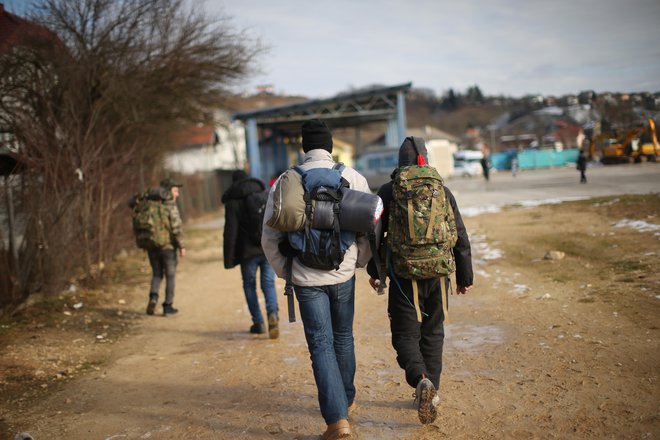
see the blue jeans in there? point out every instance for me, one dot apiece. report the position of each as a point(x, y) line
point(327, 316)
point(249, 273)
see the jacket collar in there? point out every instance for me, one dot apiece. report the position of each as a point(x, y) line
point(316, 155)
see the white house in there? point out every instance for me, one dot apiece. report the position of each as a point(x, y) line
point(205, 148)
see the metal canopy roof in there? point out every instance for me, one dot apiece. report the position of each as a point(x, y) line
point(346, 110)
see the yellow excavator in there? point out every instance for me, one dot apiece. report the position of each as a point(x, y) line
point(632, 145)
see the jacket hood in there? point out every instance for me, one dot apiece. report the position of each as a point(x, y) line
point(243, 188)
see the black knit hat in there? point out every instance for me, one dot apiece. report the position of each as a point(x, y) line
point(238, 175)
point(315, 135)
point(409, 155)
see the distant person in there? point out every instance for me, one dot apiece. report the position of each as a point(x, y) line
point(245, 201)
point(485, 160)
point(158, 229)
point(581, 165)
point(417, 302)
point(326, 294)
point(514, 165)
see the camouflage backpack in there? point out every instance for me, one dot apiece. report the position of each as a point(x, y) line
point(422, 229)
point(150, 221)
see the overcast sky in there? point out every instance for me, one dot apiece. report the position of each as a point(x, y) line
point(510, 47)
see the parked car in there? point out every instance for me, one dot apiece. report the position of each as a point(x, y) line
point(467, 163)
point(467, 169)
point(377, 165)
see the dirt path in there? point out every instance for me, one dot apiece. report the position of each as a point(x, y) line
point(534, 352)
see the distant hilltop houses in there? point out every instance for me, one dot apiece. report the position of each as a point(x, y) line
point(646, 99)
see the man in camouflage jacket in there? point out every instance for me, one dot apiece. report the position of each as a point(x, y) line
point(164, 260)
point(419, 344)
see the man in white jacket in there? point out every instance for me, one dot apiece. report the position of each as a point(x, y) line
point(326, 297)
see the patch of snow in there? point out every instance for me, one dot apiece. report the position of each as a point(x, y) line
point(639, 225)
point(553, 201)
point(483, 250)
point(520, 288)
point(478, 210)
point(482, 273)
point(611, 202)
point(474, 211)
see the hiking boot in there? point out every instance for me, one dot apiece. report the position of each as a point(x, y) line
point(258, 328)
point(424, 397)
point(153, 302)
point(340, 429)
point(273, 326)
point(169, 310)
point(436, 402)
point(151, 306)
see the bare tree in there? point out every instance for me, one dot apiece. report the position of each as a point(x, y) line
point(93, 100)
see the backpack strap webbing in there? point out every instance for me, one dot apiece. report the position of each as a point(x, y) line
point(288, 290)
point(411, 223)
point(415, 290)
point(429, 230)
point(445, 298)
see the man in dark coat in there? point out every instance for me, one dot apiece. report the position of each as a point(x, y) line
point(241, 247)
point(419, 344)
point(582, 166)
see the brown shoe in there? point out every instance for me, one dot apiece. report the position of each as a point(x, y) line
point(273, 326)
point(151, 307)
point(340, 429)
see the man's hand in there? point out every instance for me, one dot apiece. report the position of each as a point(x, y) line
point(182, 252)
point(463, 289)
point(375, 283)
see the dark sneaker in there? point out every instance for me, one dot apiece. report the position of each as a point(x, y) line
point(273, 326)
point(169, 310)
point(424, 398)
point(151, 307)
point(258, 329)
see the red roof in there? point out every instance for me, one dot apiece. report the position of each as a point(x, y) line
point(10, 29)
point(196, 135)
point(14, 28)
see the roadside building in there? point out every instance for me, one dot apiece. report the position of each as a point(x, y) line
point(205, 158)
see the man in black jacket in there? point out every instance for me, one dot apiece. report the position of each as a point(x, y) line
point(242, 246)
point(581, 166)
point(419, 344)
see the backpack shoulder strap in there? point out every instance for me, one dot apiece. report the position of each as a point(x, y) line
point(343, 183)
point(288, 289)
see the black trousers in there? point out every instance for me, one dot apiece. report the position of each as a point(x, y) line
point(418, 345)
